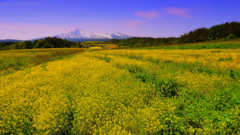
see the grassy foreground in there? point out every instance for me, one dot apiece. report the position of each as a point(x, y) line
point(126, 92)
point(231, 44)
point(14, 60)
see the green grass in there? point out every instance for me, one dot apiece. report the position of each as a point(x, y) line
point(14, 60)
point(204, 45)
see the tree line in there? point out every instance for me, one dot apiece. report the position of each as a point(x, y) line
point(226, 31)
point(222, 31)
point(144, 41)
point(49, 42)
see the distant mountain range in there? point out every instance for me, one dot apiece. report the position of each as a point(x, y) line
point(80, 35)
point(9, 40)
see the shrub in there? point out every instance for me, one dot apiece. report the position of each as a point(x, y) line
point(47, 45)
point(168, 88)
point(231, 36)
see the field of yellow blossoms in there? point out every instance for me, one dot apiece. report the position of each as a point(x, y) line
point(125, 91)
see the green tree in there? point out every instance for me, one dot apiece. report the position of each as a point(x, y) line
point(40, 44)
point(2, 45)
point(27, 45)
point(231, 36)
point(200, 35)
point(47, 45)
point(216, 32)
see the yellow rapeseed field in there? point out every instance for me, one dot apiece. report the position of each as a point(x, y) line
point(125, 92)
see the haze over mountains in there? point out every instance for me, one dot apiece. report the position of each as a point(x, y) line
point(83, 35)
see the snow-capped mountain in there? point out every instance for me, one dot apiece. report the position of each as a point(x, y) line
point(79, 34)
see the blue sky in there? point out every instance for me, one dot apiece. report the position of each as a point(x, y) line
point(28, 19)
